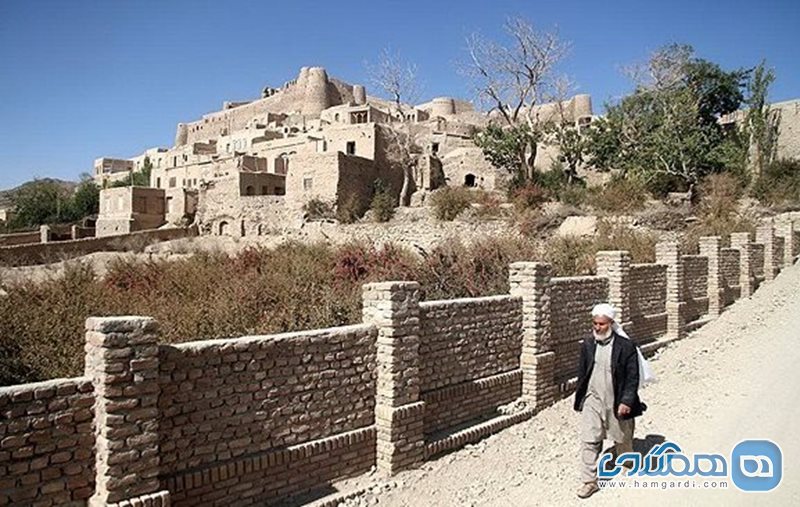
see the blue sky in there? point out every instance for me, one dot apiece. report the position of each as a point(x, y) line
point(84, 79)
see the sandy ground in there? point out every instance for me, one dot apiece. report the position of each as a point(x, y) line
point(736, 378)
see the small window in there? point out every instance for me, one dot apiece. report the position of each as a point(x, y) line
point(308, 183)
point(469, 180)
point(250, 190)
point(351, 148)
point(158, 182)
point(435, 148)
point(280, 191)
point(264, 190)
point(172, 182)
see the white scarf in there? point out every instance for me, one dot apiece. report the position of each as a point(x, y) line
point(646, 374)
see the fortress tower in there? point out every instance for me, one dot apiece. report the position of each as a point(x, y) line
point(316, 90)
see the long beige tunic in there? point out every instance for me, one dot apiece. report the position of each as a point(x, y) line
point(597, 417)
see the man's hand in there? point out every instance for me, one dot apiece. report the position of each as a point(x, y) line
point(623, 410)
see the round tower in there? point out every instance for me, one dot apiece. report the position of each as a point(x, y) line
point(316, 93)
point(359, 95)
point(443, 106)
point(581, 106)
point(302, 78)
point(182, 135)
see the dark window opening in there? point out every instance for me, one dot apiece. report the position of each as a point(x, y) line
point(435, 148)
point(469, 180)
point(351, 148)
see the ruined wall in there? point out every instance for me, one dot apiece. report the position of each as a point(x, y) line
point(41, 253)
point(309, 94)
point(46, 443)
point(469, 358)
point(695, 289)
point(571, 302)
point(246, 400)
point(20, 238)
point(648, 298)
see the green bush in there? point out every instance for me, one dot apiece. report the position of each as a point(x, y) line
point(383, 203)
point(350, 210)
point(317, 209)
point(448, 202)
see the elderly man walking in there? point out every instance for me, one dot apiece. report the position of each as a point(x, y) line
point(606, 394)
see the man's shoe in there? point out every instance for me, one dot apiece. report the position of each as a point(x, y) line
point(588, 489)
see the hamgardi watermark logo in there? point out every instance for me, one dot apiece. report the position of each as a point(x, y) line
point(754, 466)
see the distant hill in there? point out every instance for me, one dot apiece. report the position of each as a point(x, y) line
point(7, 195)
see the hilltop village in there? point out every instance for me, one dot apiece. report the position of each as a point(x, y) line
point(252, 166)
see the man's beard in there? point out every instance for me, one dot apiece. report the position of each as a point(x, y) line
point(602, 336)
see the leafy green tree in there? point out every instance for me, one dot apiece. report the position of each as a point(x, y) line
point(666, 133)
point(508, 148)
point(40, 202)
point(86, 199)
point(762, 124)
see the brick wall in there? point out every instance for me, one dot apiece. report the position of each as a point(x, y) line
point(695, 288)
point(227, 404)
point(648, 317)
point(467, 339)
point(757, 264)
point(571, 302)
point(46, 443)
point(469, 358)
point(730, 275)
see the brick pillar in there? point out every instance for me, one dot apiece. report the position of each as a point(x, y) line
point(766, 236)
point(393, 307)
point(711, 248)
point(44, 233)
point(667, 253)
point(531, 282)
point(785, 230)
point(741, 242)
point(122, 361)
point(616, 266)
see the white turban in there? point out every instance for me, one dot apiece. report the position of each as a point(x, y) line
point(606, 310)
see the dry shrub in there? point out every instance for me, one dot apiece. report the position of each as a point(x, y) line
point(718, 212)
point(489, 204)
point(453, 270)
point(570, 255)
point(780, 184)
point(448, 202)
point(529, 196)
point(620, 195)
point(352, 209)
point(640, 244)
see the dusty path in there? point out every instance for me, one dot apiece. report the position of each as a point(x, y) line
point(737, 378)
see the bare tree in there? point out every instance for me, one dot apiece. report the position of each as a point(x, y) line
point(397, 79)
point(512, 79)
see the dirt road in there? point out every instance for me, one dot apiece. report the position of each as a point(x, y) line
point(736, 378)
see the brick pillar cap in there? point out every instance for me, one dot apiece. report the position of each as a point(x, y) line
point(123, 324)
point(392, 285)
